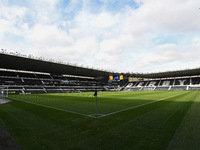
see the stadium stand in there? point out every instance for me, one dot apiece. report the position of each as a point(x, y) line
point(45, 77)
point(24, 75)
point(31, 83)
point(178, 83)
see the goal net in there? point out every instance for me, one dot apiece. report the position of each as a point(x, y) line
point(3, 91)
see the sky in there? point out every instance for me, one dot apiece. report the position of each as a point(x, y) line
point(115, 35)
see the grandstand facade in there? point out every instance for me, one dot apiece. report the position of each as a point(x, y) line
point(163, 84)
point(28, 75)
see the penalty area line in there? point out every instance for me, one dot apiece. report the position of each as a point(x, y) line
point(65, 110)
point(140, 105)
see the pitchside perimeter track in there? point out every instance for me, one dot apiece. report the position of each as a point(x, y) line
point(45, 100)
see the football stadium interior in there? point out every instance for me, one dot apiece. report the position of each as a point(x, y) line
point(45, 104)
point(26, 75)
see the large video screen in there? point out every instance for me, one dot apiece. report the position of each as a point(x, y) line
point(116, 78)
point(111, 77)
point(121, 77)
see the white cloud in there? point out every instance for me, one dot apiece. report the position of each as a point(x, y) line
point(13, 13)
point(167, 56)
point(121, 41)
point(48, 36)
point(46, 11)
point(118, 45)
point(173, 16)
point(4, 27)
point(12, 21)
point(72, 6)
point(102, 20)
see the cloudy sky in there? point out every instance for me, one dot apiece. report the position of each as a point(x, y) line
point(116, 35)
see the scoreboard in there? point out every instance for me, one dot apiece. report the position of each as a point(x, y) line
point(116, 77)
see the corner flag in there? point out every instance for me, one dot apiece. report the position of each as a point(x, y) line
point(95, 93)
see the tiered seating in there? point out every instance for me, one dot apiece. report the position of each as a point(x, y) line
point(194, 88)
point(53, 89)
point(148, 88)
point(23, 82)
point(34, 89)
point(26, 75)
point(69, 89)
point(10, 81)
point(196, 81)
point(15, 89)
point(111, 88)
point(58, 77)
point(7, 74)
point(141, 83)
point(43, 76)
point(129, 86)
point(161, 88)
point(135, 88)
point(184, 81)
point(178, 88)
point(153, 83)
point(165, 84)
point(31, 82)
point(28, 82)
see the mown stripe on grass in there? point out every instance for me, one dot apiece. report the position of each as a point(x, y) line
point(102, 115)
point(139, 105)
point(150, 127)
point(187, 135)
point(65, 110)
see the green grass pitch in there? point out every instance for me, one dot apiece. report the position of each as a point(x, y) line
point(153, 120)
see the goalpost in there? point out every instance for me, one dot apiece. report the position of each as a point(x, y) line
point(3, 91)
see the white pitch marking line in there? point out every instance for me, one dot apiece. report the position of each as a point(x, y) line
point(94, 115)
point(55, 108)
point(140, 105)
point(103, 115)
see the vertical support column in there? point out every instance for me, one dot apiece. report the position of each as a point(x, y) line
point(96, 107)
